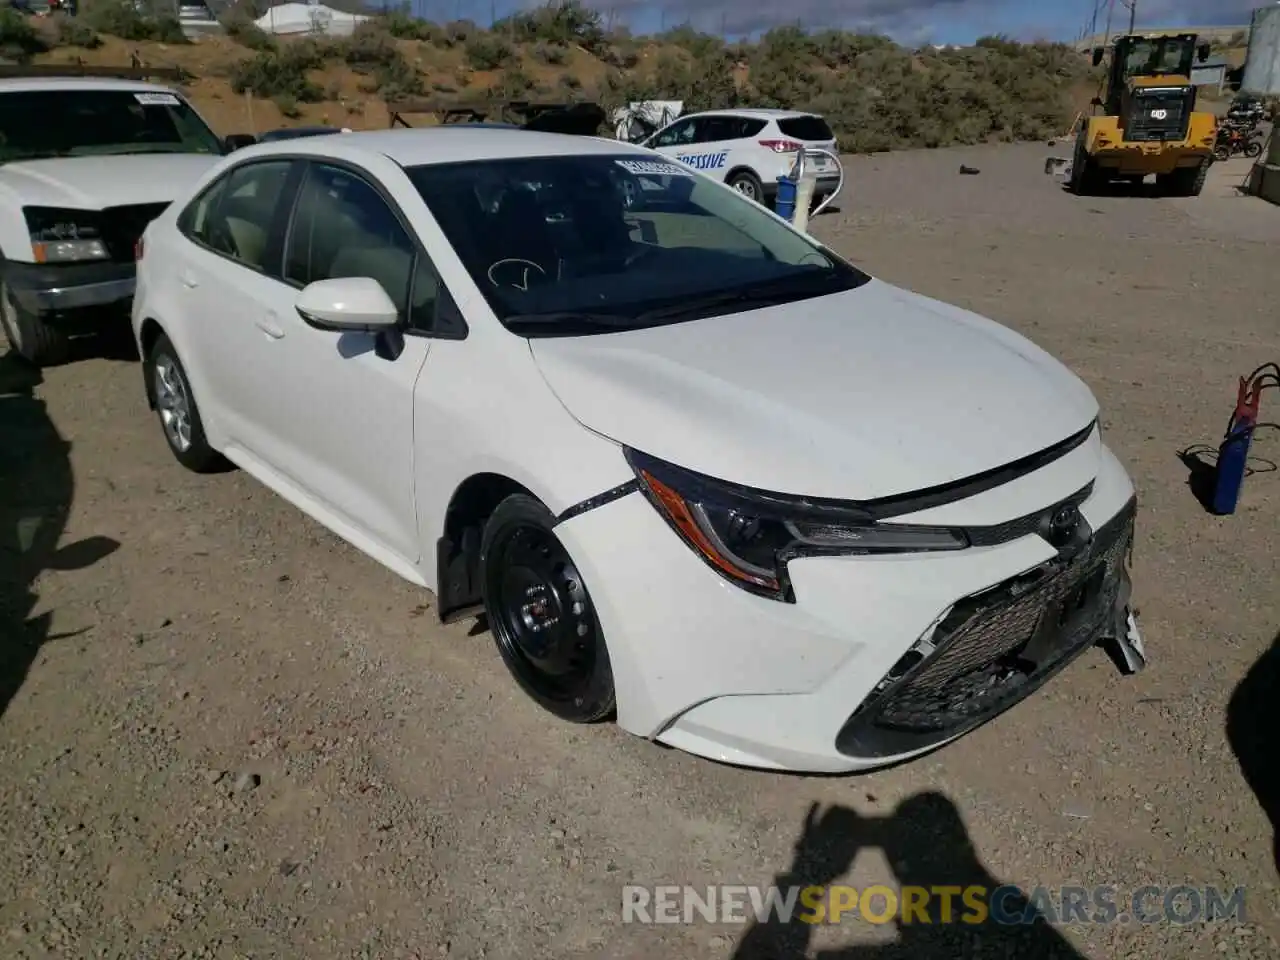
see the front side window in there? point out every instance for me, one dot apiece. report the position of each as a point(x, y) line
point(577, 244)
point(678, 134)
point(342, 227)
point(41, 124)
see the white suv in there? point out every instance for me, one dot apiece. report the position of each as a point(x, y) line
point(750, 149)
point(85, 165)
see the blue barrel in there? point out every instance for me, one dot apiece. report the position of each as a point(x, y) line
point(785, 205)
point(1233, 464)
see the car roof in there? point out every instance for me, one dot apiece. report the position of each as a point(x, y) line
point(32, 84)
point(755, 113)
point(447, 143)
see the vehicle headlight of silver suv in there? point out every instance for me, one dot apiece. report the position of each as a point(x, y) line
point(64, 236)
point(747, 536)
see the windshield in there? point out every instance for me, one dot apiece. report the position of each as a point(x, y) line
point(39, 124)
point(1166, 55)
point(580, 244)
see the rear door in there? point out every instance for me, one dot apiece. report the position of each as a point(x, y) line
point(226, 286)
point(709, 153)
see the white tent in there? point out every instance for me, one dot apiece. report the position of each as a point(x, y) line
point(292, 18)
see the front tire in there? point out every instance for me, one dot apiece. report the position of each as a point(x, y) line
point(175, 405)
point(1253, 149)
point(30, 336)
point(541, 615)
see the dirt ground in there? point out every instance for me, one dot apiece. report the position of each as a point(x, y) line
point(227, 734)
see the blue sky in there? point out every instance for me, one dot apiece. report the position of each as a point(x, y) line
point(911, 21)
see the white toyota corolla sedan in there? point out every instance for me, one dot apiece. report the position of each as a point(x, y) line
point(697, 471)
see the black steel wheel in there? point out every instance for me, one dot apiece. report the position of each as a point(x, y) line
point(541, 615)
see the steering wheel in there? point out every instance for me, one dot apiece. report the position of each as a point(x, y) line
point(523, 283)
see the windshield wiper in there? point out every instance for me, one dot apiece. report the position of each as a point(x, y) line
point(566, 322)
point(763, 294)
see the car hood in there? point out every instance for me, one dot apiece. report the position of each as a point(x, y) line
point(93, 183)
point(870, 393)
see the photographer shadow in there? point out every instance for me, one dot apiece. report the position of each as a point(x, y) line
point(1251, 718)
point(926, 845)
point(38, 487)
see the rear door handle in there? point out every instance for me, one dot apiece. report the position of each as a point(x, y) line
point(188, 280)
point(269, 324)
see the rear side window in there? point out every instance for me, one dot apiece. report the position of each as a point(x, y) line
point(731, 128)
point(806, 128)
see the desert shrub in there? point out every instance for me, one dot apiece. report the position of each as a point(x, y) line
point(487, 51)
point(283, 73)
point(287, 105)
point(19, 40)
point(698, 45)
point(402, 25)
point(458, 32)
point(514, 84)
point(240, 27)
point(560, 21)
point(123, 19)
point(371, 51)
point(552, 54)
point(70, 32)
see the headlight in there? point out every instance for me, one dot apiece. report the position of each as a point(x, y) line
point(64, 236)
point(747, 536)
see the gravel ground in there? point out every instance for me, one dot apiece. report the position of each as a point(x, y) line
point(227, 734)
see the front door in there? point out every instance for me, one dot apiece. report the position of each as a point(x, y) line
point(341, 424)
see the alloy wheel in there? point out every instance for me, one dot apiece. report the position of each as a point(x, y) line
point(173, 402)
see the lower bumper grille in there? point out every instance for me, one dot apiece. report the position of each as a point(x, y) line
point(996, 648)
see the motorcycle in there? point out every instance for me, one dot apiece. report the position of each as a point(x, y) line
point(1236, 139)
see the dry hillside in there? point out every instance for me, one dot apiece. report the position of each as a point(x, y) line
point(877, 95)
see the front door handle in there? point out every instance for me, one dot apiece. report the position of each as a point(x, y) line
point(269, 324)
point(188, 280)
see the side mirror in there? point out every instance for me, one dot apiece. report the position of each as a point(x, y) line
point(238, 141)
point(1204, 52)
point(347, 304)
point(1098, 54)
point(1096, 101)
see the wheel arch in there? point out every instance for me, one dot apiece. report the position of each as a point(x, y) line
point(741, 169)
point(148, 334)
point(458, 578)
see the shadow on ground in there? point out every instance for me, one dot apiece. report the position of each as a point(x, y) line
point(1252, 714)
point(36, 477)
point(926, 845)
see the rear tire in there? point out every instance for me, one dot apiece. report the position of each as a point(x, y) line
point(1253, 149)
point(176, 408)
point(747, 184)
point(1187, 181)
point(541, 615)
point(30, 336)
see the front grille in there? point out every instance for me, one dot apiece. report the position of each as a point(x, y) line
point(996, 648)
point(1158, 116)
point(122, 226)
point(1032, 523)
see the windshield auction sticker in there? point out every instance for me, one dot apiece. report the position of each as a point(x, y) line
point(653, 168)
point(156, 99)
